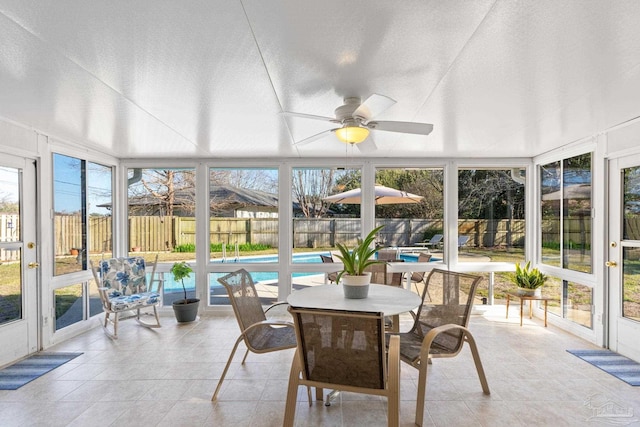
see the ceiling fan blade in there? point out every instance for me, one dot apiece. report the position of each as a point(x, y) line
point(372, 106)
point(313, 138)
point(309, 116)
point(403, 127)
point(367, 146)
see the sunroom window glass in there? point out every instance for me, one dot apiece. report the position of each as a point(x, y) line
point(554, 288)
point(579, 305)
point(265, 282)
point(69, 214)
point(631, 194)
point(161, 208)
point(550, 194)
point(99, 207)
point(321, 217)
point(410, 206)
point(631, 283)
point(68, 305)
point(576, 221)
point(243, 215)
point(491, 215)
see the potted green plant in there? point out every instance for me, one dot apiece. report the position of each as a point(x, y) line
point(528, 280)
point(185, 310)
point(354, 279)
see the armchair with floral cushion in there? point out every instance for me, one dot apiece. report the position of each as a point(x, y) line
point(123, 287)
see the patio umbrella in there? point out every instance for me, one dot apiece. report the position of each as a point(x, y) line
point(383, 195)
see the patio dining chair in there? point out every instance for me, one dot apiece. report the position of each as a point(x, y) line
point(441, 328)
point(123, 287)
point(332, 276)
point(388, 254)
point(259, 334)
point(343, 350)
point(418, 276)
point(380, 275)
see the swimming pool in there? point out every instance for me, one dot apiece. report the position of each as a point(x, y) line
point(266, 276)
point(305, 258)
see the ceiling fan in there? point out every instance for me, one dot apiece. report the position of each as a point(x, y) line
point(356, 118)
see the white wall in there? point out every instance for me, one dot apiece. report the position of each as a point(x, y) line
point(18, 140)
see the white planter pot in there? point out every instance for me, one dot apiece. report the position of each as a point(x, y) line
point(530, 292)
point(356, 287)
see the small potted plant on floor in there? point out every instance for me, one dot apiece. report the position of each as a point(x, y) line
point(185, 310)
point(353, 276)
point(528, 280)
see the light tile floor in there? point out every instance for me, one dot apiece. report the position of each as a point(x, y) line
point(165, 377)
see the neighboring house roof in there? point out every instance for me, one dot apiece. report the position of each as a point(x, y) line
point(233, 197)
point(223, 193)
point(243, 196)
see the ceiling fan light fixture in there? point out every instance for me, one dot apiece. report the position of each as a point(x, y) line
point(352, 134)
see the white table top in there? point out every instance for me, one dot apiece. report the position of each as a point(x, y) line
point(389, 300)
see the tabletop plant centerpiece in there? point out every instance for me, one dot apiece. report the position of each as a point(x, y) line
point(528, 280)
point(354, 279)
point(185, 310)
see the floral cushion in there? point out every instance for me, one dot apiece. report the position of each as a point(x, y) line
point(127, 283)
point(128, 302)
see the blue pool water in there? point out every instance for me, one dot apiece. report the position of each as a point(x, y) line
point(313, 258)
point(310, 258)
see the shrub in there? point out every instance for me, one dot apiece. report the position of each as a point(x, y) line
point(217, 247)
point(185, 247)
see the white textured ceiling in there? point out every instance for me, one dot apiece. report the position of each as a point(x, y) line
point(208, 78)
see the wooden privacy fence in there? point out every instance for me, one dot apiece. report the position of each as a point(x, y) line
point(154, 233)
point(577, 231)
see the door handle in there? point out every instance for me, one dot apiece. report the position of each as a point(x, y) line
point(611, 264)
point(33, 265)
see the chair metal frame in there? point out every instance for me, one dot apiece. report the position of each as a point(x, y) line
point(255, 328)
point(438, 337)
point(360, 333)
point(107, 294)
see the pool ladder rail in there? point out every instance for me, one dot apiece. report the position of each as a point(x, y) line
point(236, 253)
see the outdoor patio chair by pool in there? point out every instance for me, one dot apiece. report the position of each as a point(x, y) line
point(440, 328)
point(343, 350)
point(122, 286)
point(259, 334)
point(434, 242)
point(462, 240)
point(332, 276)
